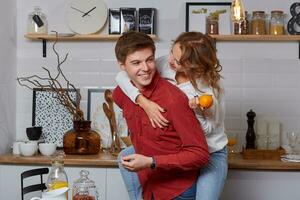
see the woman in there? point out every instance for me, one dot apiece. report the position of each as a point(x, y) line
point(192, 66)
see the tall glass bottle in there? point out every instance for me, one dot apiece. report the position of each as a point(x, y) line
point(57, 177)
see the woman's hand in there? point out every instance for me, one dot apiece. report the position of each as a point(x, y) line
point(153, 111)
point(193, 103)
point(136, 162)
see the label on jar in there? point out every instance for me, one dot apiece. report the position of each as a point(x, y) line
point(37, 20)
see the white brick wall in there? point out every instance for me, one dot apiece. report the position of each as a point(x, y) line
point(263, 76)
point(8, 68)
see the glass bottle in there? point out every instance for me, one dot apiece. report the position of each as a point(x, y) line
point(277, 22)
point(81, 139)
point(37, 22)
point(57, 177)
point(84, 188)
point(258, 23)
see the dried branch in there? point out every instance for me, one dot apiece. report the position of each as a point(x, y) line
point(52, 83)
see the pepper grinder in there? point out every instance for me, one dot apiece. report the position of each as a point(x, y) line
point(250, 135)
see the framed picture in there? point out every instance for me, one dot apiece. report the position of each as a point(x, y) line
point(50, 114)
point(196, 14)
point(99, 120)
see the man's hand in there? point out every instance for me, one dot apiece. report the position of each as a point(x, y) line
point(136, 162)
point(153, 111)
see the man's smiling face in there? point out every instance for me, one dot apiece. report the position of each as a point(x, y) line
point(140, 67)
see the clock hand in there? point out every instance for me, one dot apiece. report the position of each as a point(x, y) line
point(88, 11)
point(78, 10)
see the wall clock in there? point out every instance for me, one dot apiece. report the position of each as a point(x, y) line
point(86, 16)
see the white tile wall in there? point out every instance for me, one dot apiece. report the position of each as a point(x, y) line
point(8, 68)
point(263, 76)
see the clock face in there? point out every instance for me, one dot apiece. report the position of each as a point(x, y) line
point(86, 16)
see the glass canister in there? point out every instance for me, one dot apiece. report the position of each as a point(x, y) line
point(258, 23)
point(212, 25)
point(277, 23)
point(37, 22)
point(84, 188)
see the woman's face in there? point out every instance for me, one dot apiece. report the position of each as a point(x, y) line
point(174, 58)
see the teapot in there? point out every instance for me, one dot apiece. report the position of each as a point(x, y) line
point(58, 194)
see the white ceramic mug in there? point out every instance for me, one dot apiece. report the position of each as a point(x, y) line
point(16, 147)
point(58, 194)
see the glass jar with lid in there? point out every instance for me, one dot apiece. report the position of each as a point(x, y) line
point(212, 25)
point(84, 188)
point(37, 22)
point(258, 23)
point(277, 22)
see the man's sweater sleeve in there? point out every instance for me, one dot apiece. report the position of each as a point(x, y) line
point(194, 152)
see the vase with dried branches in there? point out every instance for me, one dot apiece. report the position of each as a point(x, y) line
point(81, 139)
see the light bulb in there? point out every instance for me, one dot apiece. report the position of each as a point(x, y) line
point(237, 11)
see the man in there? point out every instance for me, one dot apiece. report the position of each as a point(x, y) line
point(167, 160)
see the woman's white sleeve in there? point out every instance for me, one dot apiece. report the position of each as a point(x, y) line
point(126, 86)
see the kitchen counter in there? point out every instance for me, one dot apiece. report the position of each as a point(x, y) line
point(99, 160)
point(236, 161)
point(107, 160)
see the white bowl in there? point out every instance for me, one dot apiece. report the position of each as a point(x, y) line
point(28, 148)
point(47, 149)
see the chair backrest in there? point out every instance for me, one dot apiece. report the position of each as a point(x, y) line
point(36, 187)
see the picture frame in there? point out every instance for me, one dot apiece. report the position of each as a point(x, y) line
point(196, 13)
point(51, 115)
point(99, 121)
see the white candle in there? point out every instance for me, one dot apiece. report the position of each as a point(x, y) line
point(261, 127)
point(274, 128)
point(274, 135)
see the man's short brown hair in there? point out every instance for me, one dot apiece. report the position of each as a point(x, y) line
point(130, 42)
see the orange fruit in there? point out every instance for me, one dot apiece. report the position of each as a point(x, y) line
point(231, 141)
point(205, 101)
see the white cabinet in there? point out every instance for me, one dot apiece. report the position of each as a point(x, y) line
point(108, 181)
point(115, 185)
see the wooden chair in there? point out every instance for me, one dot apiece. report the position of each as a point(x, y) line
point(36, 187)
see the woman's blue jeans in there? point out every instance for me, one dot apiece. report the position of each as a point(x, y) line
point(210, 182)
